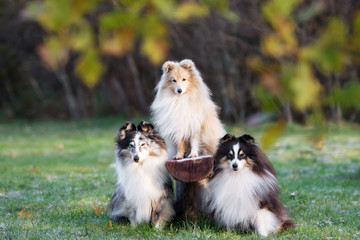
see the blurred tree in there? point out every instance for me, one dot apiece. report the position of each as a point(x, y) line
point(289, 77)
point(121, 25)
point(97, 60)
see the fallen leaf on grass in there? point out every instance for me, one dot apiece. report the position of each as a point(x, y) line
point(319, 143)
point(24, 214)
point(97, 211)
point(110, 224)
point(35, 169)
point(84, 169)
point(60, 147)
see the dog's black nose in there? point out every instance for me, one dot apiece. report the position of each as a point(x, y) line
point(234, 166)
point(179, 90)
point(136, 158)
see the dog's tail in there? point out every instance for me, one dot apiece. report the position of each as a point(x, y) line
point(287, 225)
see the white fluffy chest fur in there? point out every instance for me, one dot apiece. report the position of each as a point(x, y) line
point(143, 185)
point(181, 117)
point(235, 196)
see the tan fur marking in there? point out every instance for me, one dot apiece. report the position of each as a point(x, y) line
point(180, 150)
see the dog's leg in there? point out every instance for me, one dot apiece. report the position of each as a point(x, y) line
point(161, 212)
point(132, 217)
point(195, 145)
point(180, 151)
point(266, 222)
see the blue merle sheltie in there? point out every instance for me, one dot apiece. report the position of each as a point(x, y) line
point(144, 192)
point(243, 193)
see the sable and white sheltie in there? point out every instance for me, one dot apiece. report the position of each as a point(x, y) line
point(187, 118)
point(144, 192)
point(184, 113)
point(243, 192)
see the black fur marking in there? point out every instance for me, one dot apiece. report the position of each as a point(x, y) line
point(145, 127)
point(126, 133)
point(261, 162)
point(227, 138)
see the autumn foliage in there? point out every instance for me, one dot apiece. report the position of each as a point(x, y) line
point(295, 60)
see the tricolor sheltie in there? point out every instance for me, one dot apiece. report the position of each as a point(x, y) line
point(243, 192)
point(144, 192)
point(187, 118)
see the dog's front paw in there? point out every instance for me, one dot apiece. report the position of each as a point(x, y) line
point(193, 155)
point(177, 157)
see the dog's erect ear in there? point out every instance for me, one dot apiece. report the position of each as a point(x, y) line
point(247, 138)
point(146, 127)
point(227, 138)
point(127, 127)
point(187, 64)
point(168, 66)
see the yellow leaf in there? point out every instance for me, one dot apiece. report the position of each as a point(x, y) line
point(328, 50)
point(317, 119)
point(154, 49)
point(84, 169)
point(273, 46)
point(60, 147)
point(120, 42)
point(255, 63)
point(274, 8)
point(89, 68)
point(305, 87)
point(35, 169)
point(53, 52)
point(272, 133)
point(356, 25)
point(188, 10)
point(24, 214)
point(81, 38)
point(271, 82)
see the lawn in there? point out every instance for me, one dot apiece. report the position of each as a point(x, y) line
point(56, 182)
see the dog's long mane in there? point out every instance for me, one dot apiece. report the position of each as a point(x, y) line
point(180, 117)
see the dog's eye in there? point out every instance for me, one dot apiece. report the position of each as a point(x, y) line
point(174, 80)
point(242, 155)
point(142, 145)
point(230, 155)
point(131, 144)
point(184, 79)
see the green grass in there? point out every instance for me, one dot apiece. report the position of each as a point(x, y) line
point(53, 173)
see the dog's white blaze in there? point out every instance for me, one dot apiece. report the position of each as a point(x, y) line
point(266, 222)
point(234, 196)
point(142, 183)
point(236, 148)
point(142, 154)
point(240, 163)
